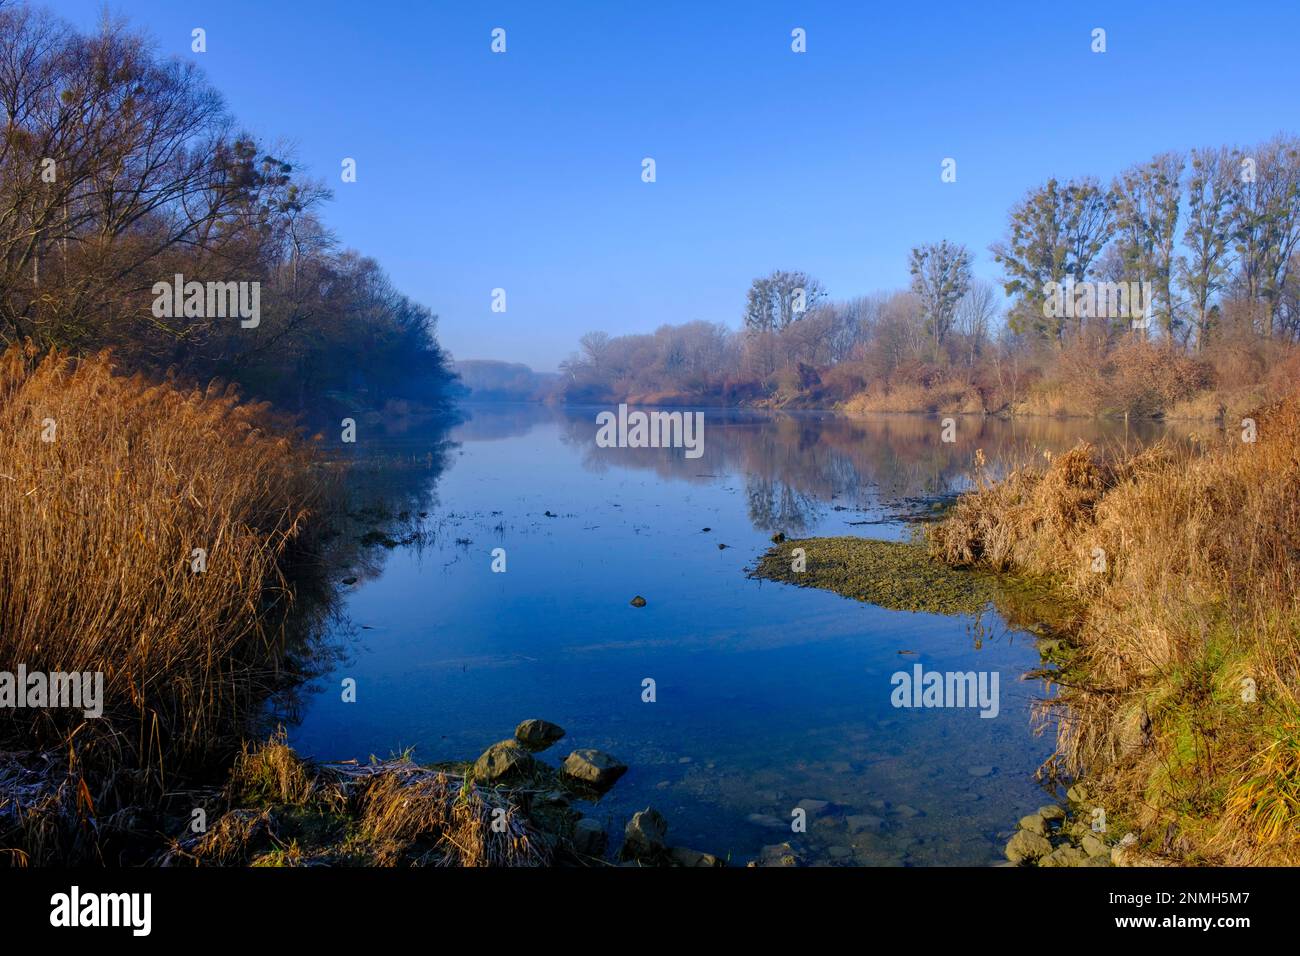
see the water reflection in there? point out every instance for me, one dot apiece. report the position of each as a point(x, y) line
point(767, 694)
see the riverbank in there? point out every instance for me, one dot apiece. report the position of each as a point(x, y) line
point(183, 549)
point(1178, 703)
point(508, 808)
point(158, 541)
point(1176, 649)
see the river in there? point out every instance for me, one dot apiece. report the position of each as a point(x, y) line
point(765, 694)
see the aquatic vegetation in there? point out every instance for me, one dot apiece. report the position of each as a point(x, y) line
point(896, 575)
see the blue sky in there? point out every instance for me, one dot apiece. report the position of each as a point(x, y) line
point(523, 171)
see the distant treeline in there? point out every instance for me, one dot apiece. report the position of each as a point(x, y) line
point(487, 380)
point(1209, 237)
point(119, 171)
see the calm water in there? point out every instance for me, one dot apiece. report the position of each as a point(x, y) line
point(766, 694)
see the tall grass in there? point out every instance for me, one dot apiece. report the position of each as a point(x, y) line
point(98, 532)
point(1197, 605)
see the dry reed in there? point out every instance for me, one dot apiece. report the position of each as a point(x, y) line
point(108, 485)
point(1183, 708)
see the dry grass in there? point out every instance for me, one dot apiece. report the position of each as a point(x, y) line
point(284, 811)
point(458, 822)
point(944, 397)
point(1200, 594)
point(97, 532)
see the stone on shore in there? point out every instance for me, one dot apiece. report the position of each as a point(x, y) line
point(1094, 845)
point(1126, 852)
point(645, 837)
point(1034, 824)
point(1064, 856)
point(589, 838)
point(1026, 846)
point(504, 761)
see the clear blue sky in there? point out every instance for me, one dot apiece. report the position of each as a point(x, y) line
point(523, 170)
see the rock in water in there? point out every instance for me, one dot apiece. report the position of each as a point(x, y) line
point(779, 854)
point(864, 823)
point(589, 838)
point(638, 601)
point(681, 856)
point(1025, 846)
point(536, 735)
point(814, 808)
point(645, 837)
point(504, 760)
point(593, 768)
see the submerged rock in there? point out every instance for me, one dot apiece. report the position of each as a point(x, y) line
point(593, 767)
point(536, 735)
point(638, 601)
point(814, 808)
point(779, 854)
point(864, 823)
point(504, 761)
